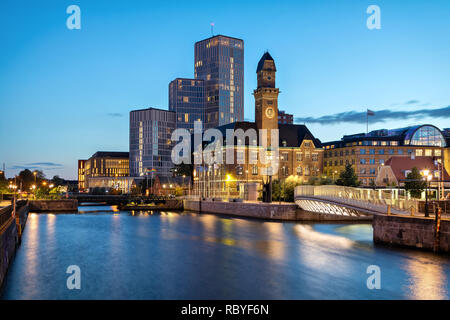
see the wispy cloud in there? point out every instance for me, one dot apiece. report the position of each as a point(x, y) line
point(380, 116)
point(412, 102)
point(115, 114)
point(44, 166)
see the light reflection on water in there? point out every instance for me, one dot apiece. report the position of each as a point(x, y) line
point(151, 255)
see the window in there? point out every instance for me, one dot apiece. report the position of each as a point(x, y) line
point(372, 171)
point(285, 171)
point(381, 161)
point(240, 156)
point(381, 151)
point(371, 151)
point(299, 171)
point(306, 171)
point(419, 152)
point(362, 161)
point(437, 152)
point(255, 170)
point(427, 136)
point(428, 152)
point(284, 156)
point(400, 151)
point(253, 156)
point(299, 157)
point(362, 171)
point(186, 117)
point(372, 161)
point(391, 151)
point(185, 99)
point(315, 157)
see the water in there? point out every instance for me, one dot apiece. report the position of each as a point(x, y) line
point(167, 255)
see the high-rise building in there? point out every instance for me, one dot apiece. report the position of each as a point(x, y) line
point(219, 61)
point(187, 100)
point(150, 141)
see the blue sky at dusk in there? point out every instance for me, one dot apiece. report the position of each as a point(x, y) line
point(65, 94)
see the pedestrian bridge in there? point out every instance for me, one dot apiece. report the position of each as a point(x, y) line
point(348, 201)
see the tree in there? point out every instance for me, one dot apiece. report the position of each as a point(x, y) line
point(57, 181)
point(415, 184)
point(348, 177)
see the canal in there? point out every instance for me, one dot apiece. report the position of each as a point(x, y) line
point(167, 255)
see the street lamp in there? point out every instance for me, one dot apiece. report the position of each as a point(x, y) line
point(427, 176)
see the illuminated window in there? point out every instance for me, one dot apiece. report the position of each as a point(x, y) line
point(419, 152)
point(186, 117)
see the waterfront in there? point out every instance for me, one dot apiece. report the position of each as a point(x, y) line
point(167, 255)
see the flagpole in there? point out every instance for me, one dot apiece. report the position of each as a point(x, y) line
point(367, 121)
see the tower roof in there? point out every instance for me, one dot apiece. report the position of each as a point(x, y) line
point(266, 57)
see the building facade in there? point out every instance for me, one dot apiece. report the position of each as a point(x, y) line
point(300, 154)
point(150, 141)
point(219, 61)
point(187, 100)
point(104, 164)
point(365, 152)
point(81, 175)
point(285, 118)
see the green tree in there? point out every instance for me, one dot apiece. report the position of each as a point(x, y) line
point(415, 184)
point(57, 181)
point(348, 177)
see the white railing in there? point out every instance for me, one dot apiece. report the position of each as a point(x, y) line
point(377, 200)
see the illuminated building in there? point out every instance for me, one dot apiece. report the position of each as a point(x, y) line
point(365, 152)
point(300, 153)
point(150, 141)
point(187, 100)
point(219, 61)
point(102, 164)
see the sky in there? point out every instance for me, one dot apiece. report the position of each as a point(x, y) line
point(65, 94)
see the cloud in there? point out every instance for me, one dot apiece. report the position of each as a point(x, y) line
point(115, 114)
point(412, 102)
point(47, 164)
point(380, 116)
point(44, 166)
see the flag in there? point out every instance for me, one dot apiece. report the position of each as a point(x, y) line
point(370, 112)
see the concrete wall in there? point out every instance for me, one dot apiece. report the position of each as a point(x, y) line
point(171, 204)
point(9, 240)
point(69, 205)
point(413, 232)
point(245, 209)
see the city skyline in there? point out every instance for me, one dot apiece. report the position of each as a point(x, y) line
point(95, 76)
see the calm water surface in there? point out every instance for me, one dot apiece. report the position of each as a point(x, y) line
point(167, 255)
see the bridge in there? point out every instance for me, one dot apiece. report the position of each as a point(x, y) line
point(348, 201)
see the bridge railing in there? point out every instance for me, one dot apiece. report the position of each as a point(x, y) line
point(359, 196)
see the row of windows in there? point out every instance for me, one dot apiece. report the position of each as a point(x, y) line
point(418, 152)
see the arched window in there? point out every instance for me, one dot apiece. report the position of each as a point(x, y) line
point(427, 136)
point(299, 171)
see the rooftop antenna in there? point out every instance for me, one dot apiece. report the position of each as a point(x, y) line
point(212, 28)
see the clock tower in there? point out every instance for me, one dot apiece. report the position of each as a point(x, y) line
point(266, 96)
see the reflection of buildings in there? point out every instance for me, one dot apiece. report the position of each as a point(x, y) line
point(187, 100)
point(150, 141)
point(219, 61)
point(300, 153)
point(103, 166)
point(285, 118)
point(367, 151)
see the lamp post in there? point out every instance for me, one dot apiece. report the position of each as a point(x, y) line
point(427, 176)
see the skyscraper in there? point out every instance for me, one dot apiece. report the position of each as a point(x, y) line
point(219, 61)
point(187, 100)
point(150, 141)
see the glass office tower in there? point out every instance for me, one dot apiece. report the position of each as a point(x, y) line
point(187, 100)
point(219, 61)
point(150, 141)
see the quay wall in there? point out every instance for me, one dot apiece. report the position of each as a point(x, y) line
point(67, 205)
point(245, 209)
point(168, 205)
point(413, 232)
point(10, 234)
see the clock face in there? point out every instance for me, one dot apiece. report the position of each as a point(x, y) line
point(270, 112)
